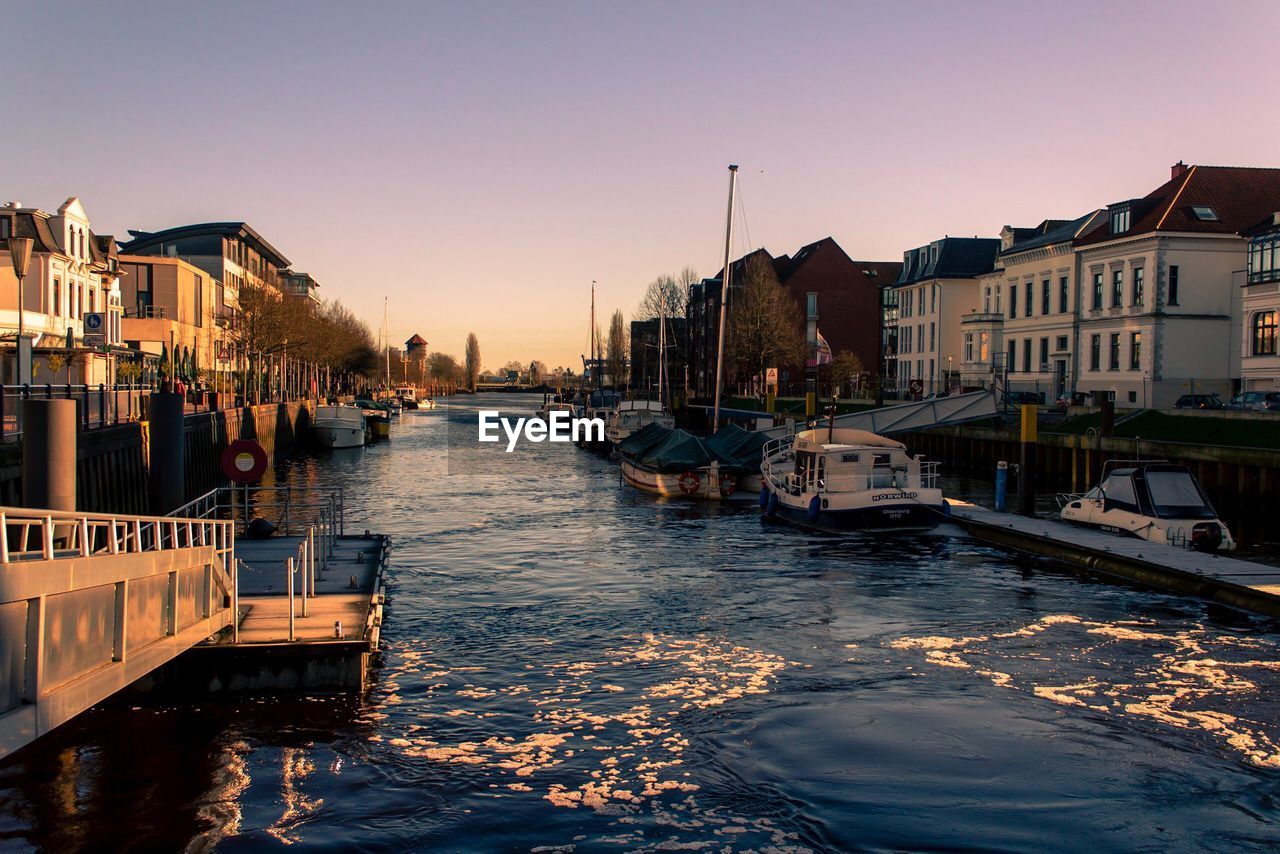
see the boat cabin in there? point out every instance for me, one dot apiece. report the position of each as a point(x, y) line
point(1161, 490)
point(846, 460)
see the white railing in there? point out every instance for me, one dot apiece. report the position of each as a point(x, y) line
point(53, 534)
point(778, 467)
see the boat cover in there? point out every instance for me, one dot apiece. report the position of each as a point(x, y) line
point(643, 439)
point(681, 452)
point(743, 448)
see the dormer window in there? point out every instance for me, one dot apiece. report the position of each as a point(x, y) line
point(1204, 213)
point(1120, 219)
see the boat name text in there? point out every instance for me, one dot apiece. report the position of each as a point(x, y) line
point(894, 496)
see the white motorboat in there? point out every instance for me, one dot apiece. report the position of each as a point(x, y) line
point(843, 479)
point(339, 426)
point(631, 415)
point(1155, 501)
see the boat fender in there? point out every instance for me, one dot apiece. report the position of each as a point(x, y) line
point(815, 507)
point(773, 504)
point(764, 497)
point(946, 507)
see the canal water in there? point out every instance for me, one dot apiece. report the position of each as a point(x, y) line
point(571, 665)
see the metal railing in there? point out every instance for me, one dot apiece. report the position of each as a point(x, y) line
point(98, 405)
point(52, 534)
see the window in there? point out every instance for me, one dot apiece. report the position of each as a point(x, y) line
point(1139, 282)
point(199, 302)
point(1135, 351)
point(933, 297)
point(1044, 354)
point(1204, 213)
point(1173, 284)
point(1264, 333)
point(1026, 356)
point(986, 299)
point(1095, 353)
point(811, 302)
point(1061, 346)
point(1264, 258)
point(83, 254)
point(1044, 297)
point(1030, 296)
point(57, 297)
point(1120, 220)
point(933, 333)
point(1013, 356)
point(1117, 288)
point(997, 309)
point(1097, 290)
point(1064, 293)
point(1114, 362)
point(1013, 301)
point(5, 227)
point(968, 346)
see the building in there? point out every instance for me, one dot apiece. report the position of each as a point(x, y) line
point(1022, 335)
point(846, 303)
point(234, 255)
point(1162, 274)
point(73, 273)
point(645, 355)
point(936, 287)
point(300, 285)
point(1260, 308)
point(170, 312)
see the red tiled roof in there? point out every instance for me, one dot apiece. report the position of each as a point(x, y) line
point(416, 341)
point(1241, 197)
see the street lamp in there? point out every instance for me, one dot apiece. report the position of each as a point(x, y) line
point(20, 255)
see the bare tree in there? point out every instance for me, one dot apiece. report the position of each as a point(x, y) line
point(472, 361)
point(766, 328)
point(616, 352)
point(537, 372)
point(845, 368)
point(443, 367)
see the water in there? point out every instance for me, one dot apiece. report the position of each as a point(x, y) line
point(571, 664)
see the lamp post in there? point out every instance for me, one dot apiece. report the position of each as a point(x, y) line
point(20, 255)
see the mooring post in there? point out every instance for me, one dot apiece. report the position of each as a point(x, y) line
point(1027, 462)
point(167, 486)
point(289, 586)
point(48, 453)
point(311, 552)
point(306, 591)
point(1002, 484)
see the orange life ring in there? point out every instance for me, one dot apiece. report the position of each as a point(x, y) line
point(728, 483)
point(689, 483)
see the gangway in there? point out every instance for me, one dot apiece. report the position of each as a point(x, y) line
point(920, 415)
point(89, 603)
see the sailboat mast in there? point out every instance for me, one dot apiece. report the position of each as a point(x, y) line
point(386, 342)
point(662, 338)
point(725, 280)
point(595, 340)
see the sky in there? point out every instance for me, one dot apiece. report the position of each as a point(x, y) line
point(479, 164)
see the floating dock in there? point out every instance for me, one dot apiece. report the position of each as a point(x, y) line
point(1210, 576)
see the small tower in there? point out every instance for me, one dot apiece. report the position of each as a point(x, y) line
point(415, 353)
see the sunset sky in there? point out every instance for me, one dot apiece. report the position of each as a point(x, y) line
point(481, 163)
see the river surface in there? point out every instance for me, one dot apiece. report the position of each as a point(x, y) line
point(572, 665)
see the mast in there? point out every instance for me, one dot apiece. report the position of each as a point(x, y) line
point(725, 279)
point(595, 341)
point(662, 338)
point(386, 342)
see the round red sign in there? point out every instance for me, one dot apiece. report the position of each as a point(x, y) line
point(244, 461)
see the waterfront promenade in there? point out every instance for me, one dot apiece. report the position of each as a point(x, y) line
point(569, 662)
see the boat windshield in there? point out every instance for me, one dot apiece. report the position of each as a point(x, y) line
point(1175, 495)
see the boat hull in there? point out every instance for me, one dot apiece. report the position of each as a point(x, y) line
point(697, 485)
point(882, 511)
point(339, 435)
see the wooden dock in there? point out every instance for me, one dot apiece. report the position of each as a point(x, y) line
point(1211, 576)
point(312, 654)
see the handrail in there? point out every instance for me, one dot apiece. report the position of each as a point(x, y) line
point(32, 534)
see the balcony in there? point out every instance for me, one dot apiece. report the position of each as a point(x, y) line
point(983, 317)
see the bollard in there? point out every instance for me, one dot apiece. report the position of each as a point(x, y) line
point(770, 402)
point(49, 454)
point(302, 571)
point(311, 553)
point(810, 404)
point(1027, 463)
point(167, 487)
point(289, 587)
point(1002, 484)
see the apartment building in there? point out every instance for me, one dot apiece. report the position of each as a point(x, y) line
point(1260, 309)
point(922, 313)
point(72, 273)
point(170, 311)
point(1161, 275)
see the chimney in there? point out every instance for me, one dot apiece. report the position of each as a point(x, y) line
point(1178, 169)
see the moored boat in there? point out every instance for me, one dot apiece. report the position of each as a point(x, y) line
point(675, 464)
point(339, 426)
point(849, 480)
point(628, 416)
point(1155, 501)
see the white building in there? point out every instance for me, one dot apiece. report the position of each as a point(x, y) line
point(1260, 309)
point(1160, 303)
point(72, 273)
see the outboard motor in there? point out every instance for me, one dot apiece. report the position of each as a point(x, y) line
point(1206, 537)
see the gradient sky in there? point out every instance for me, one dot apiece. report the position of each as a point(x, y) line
point(481, 163)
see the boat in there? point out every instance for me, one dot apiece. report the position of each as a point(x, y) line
point(393, 405)
point(841, 479)
point(1155, 501)
point(408, 396)
point(339, 426)
point(600, 403)
point(675, 464)
point(555, 403)
point(377, 418)
point(427, 403)
point(628, 416)
point(746, 449)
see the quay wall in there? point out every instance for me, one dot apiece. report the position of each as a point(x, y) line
point(1239, 481)
point(112, 462)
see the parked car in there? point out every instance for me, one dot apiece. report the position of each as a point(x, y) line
point(1257, 400)
point(936, 395)
point(1018, 398)
point(1200, 401)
